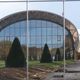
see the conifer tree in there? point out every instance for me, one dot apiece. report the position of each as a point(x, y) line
point(46, 56)
point(16, 56)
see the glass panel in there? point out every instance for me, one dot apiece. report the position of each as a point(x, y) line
point(59, 38)
point(49, 39)
point(54, 39)
point(60, 31)
point(49, 31)
point(32, 23)
point(38, 31)
point(38, 23)
point(38, 40)
point(32, 40)
point(11, 30)
point(23, 40)
point(44, 31)
point(33, 31)
point(54, 25)
point(49, 24)
point(44, 24)
point(54, 31)
point(43, 40)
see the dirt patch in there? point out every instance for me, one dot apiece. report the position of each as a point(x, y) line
point(21, 73)
point(12, 73)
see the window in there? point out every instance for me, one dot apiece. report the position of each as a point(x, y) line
point(40, 32)
point(59, 38)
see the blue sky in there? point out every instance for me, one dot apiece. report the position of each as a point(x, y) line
point(72, 11)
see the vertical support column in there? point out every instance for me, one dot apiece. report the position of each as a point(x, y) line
point(64, 35)
point(27, 40)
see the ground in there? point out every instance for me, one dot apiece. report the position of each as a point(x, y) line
point(72, 73)
point(37, 70)
point(12, 73)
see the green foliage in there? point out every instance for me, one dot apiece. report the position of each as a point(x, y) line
point(46, 56)
point(2, 64)
point(16, 56)
point(58, 55)
point(53, 65)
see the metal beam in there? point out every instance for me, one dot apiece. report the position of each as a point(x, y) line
point(35, 0)
point(50, 0)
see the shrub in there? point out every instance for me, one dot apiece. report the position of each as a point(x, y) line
point(46, 56)
point(16, 56)
point(58, 55)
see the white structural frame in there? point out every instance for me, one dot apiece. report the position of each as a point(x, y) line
point(4, 1)
point(27, 42)
point(64, 35)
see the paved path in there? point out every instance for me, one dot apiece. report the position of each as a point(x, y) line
point(72, 73)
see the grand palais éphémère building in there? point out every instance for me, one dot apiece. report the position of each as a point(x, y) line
point(43, 28)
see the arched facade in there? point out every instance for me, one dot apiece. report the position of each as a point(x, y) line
point(44, 27)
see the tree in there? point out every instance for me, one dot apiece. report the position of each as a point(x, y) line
point(46, 56)
point(16, 56)
point(58, 55)
point(4, 49)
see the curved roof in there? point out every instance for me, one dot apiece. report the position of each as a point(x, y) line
point(10, 19)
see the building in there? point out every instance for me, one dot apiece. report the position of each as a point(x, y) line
point(43, 27)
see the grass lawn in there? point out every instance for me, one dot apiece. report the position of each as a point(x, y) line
point(2, 64)
point(49, 65)
point(38, 64)
point(35, 68)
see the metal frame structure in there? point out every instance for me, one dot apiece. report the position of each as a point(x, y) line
point(4, 1)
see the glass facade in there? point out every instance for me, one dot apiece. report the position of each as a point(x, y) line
point(8, 34)
point(17, 29)
point(40, 33)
